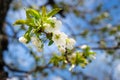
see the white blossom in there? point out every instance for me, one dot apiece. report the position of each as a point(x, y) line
point(52, 18)
point(61, 49)
point(23, 39)
point(83, 46)
point(48, 28)
point(58, 24)
point(59, 38)
point(51, 28)
point(70, 43)
point(71, 67)
point(106, 14)
point(37, 43)
point(93, 56)
point(72, 56)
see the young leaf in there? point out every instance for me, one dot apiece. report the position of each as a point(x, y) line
point(51, 42)
point(53, 12)
point(27, 34)
point(20, 22)
point(43, 11)
point(30, 22)
point(30, 13)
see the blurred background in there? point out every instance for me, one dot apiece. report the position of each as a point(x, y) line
point(91, 22)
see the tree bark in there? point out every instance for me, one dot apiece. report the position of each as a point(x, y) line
point(4, 6)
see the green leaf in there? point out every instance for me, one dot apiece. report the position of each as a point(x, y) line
point(30, 13)
point(20, 22)
point(55, 60)
point(53, 12)
point(30, 22)
point(113, 31)
point(104, 29)
point(27, 34)
point(84, 33)
point(51, 42)
point(118, 27)
point(99, 7)
point(43, 11)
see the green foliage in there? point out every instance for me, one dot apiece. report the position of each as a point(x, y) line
point(76, 58)
point(98, 8)
point(118, 27)
point(84, 33)
point(80, 60)
point(113, 31)
point(31, 13)
point(56, 59)
point(20, 22)
point(27, 34)
point(44, 12)
point(99, 18)
point(51, 42)
point(35, 20)
point(53, 12)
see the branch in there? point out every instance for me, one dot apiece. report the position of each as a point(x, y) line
point(106, 48)
point(102, 48)
point(38, 68)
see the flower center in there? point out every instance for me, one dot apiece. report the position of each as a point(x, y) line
point(57, 36)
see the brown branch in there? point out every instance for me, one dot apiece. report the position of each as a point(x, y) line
point(38, 68)
point(102, 48)
point(66, 57)
point(106, 48)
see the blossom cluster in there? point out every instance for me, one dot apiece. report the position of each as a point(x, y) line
point(61, 40)
point(43, 27)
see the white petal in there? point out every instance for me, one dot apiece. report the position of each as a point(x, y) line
point(84, 46)
point(23, 39)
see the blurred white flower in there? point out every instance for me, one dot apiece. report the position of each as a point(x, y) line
point(37, 43)
point(57, 22)
point(23, 39)
point(52, 18)
point(61, 49)
point(92, 56)
point(70, 43)
point(13, 78)
point(71, 67)
point(83, 46)
point(48, 28)
point(59, 39)
point(106, 14)
point(51, 28)
point(109, 26)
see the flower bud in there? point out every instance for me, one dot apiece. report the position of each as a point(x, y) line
point(23, 39)
point(83, 46)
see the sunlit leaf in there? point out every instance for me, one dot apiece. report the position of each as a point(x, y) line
point(30, 13)
point(51, 42)
point(53, 12)
point(43, 11)
point(20, 22)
